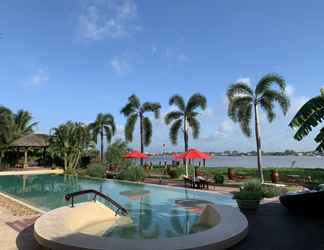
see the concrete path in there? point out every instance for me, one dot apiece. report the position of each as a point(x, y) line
point(30, 172)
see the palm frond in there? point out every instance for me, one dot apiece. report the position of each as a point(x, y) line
point(152, 107)
point(237, 103)
point(135, 101)
point(244, 118)
point(267, 105)
point(174, 131)
point(148, 131)
point(128, 109)
point(195, 126)
point(239, 89)
point(280, 97)
point(178, 101)
point(171, 116)
point(195, 101)
point(320, 139)
point(308, 117)
point(269, 79)
point(129, 127)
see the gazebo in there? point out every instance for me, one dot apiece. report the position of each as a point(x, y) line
point(31, 141)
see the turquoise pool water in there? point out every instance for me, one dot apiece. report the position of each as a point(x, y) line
point(157, 212)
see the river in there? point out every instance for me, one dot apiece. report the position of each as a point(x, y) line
point(250, 161)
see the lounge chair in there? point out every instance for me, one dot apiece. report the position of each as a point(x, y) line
point(309, 202)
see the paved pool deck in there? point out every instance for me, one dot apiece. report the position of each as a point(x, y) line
point(31, 171)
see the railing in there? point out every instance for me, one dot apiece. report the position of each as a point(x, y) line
point(116, 206)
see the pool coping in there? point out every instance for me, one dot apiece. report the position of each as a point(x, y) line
point(35, 209)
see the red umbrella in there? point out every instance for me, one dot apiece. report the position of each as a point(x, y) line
point(136, 154)
point(192, 154)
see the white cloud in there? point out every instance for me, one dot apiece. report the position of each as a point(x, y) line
point(39, 78)
point(290, 90)
point(108, 19)
point(120, 65)
point(224, 128)
point(245, 80)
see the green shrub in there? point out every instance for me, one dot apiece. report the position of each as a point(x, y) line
point(116, 152)
point(131, 173)
point(174, 173)
point(96, 170)
point(251, 190)
point(271, 191)
point(219, 178)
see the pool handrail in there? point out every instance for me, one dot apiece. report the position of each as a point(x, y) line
point(97, 193)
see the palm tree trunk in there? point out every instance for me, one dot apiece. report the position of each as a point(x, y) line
point(101, 142)
point(142, 136)
point(258, 141)
point(186, 139)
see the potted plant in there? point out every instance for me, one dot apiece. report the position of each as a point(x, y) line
point(230, 173)
point(274, 176)
point(249, 196)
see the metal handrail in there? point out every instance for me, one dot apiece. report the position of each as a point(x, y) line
point(119, 208)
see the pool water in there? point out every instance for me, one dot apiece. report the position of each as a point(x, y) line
point(156, 212)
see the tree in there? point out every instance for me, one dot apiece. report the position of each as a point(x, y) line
point(243, 102)
point(309, 116)
point(13, 126)
point(116, 152)
point(134, 110)
point(104, 126)
point(70, 141)
point(185, 117)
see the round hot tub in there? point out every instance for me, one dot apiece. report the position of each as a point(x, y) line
point(91, 225)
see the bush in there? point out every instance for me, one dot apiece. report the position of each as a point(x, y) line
point(174, 173)
point(251, 190)
point(131, 173)
point(219, 179)
point(271, 191)
point(116, 152)
point(96, 170)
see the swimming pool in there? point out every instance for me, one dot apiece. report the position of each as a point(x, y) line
point(157, 212)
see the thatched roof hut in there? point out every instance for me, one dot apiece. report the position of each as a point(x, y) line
point(32, 141)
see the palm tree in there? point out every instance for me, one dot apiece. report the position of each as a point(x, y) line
point(13, 126)
point(243, 102)
point(23, 124)
point(185, 117)
point(308, 117)
point(70, 141)
point(104, 125)
point(134, 110)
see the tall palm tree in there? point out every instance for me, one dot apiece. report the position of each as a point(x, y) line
point(308, 117)
point(103, 126)
point(134, 110)
point(185, 117)
point(243, 102)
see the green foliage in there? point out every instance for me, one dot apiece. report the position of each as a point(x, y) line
point(186, 114)
point(174, 173)
point(309, 116)
point(134, 110)
point(251, 190)
point(70, 141)
point(131, 173)
point(116, 152)
point(96, 170)
point(271, 191)
point(219, 178)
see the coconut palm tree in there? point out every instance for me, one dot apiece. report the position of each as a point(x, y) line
point(134, 110)
point(103, 126)
point(309, 116)
point(185, 117)
point(23, 124)
point(244, 102)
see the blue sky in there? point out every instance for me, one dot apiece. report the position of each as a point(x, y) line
point(69, 60)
